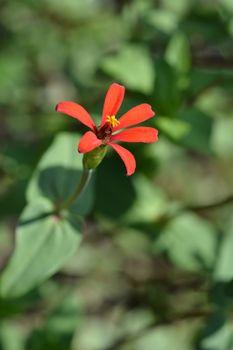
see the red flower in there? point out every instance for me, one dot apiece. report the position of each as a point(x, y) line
point(105, 133)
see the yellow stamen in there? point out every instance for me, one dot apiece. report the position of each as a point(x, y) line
point(112, 120)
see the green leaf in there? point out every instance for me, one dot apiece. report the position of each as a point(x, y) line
point(133, 66)
point(109, 179)
point(166, 95)
point(198, 138)
point(173, 128)
point(163, 20)
point(136, 201)
point(12, 336)
point(150, 202)
point(224, 271)
point(189, 241)
point(176, 337)
point(58, 174)
point(218, 333)
point(222, 140)
point(203, 82)
point(178, 7)
point(178, 53)
point(95, 334)
point(43, 243)
point(74, 10)
point(228, 5)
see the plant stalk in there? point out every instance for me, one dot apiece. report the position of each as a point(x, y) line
point(84, 180)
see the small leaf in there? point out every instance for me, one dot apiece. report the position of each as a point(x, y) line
point(133, 66)
point(189, 241)
point(43, 243)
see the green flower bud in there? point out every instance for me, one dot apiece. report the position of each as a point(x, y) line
point(93, 158)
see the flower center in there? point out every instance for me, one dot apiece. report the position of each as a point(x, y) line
point(104, 133)
point(112, 121)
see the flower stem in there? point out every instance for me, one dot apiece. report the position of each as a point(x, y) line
point(84, 180)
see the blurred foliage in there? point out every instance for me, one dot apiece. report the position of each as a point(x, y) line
point(154, 270)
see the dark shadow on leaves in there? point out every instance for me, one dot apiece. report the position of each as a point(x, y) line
point(58, 183)
point(115, 193)
point(202, 263)
point(44, 339)
point(34, 219)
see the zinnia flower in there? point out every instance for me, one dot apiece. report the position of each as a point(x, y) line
point(107, 133)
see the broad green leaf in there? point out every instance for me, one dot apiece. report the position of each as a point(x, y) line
point(218, 334)
point(173, 128)
point(163, 20)
point(178, 53)
point(95, 334)
point(198, 137)
point(74, 10)
point(115, 193)
point(166, 95)
point(43, 243)
point(228, 5)
point(133, 66)
point(12, 336)
point(179, 336)
point(136, 320)
point(189, 241)
point(219, 340)
point(203, 82)
point(215, 101)
point(133, 199)
point(58, 174)
point(222, 140)
point(150, 202)
point(224, 270)
point(179, 7)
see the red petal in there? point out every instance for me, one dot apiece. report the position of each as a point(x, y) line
point(126, 156)
point(113, 101)
point(135, 115)
point(137, 134)
point(76, 111)
point(88, 142)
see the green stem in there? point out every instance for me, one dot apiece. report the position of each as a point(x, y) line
point(85, 177)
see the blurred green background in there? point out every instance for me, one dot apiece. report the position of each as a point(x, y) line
point(155, 268)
